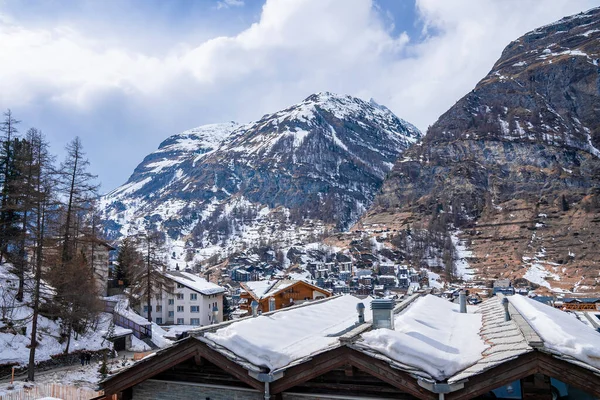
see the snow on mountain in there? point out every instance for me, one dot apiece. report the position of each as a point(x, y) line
point(290, 176)
point(506, 182)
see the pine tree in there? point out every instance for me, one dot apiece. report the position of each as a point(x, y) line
point(9, 128)
point(126, 259)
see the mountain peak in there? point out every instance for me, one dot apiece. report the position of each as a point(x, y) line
point(313, 167)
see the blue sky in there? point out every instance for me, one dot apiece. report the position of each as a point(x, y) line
point(126, 74)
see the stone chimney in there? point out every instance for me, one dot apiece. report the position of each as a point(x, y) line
point(383, 313)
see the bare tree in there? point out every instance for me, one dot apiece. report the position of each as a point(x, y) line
point(148, 271)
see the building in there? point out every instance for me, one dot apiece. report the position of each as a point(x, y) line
point(191, 302)
point(421, 348)
point(285, 292)
point(387, 269)
point(99, 252)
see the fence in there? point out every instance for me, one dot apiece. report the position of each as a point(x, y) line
point(55, 390)
point(139, 331)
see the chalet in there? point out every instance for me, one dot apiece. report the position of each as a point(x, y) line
point(284, 292)
point(421, 348)
point(581, 304)
point(190, 301)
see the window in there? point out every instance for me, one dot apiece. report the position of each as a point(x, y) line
point(194, 321)
point(171, 302)
point(194, 309)
point(193, 296)
point(158, 308)
point(180, 321)
point(179, 296)
point(179, 308)
point(146, 308)
point(159, 321)
point(171, 314)
point(179, 286)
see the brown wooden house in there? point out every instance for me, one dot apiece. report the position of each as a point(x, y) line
point(285, 292)
point(313, 351)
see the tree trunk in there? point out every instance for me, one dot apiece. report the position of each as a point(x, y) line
point(36, 294)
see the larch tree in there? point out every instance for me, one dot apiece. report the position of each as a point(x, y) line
point(41, 199)
point(71, 274)
point(146, 276)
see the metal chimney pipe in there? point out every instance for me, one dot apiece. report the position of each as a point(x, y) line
point(254, 306)
point(215, 315)
point(360, 308)
point(272, 304)
point(383, 313)
point(462, 299)
point(506, 313)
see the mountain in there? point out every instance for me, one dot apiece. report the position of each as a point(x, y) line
point(291, 176)
point(507, 182)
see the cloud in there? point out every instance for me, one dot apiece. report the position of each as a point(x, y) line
point(295, 48)
point(229, 3)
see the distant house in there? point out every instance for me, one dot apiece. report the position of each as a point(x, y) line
point(191, 302)
point(285, 292)
point(387, 281)
point(98, 251)
point(387, 269)
point(581, 304)
point(345, 266)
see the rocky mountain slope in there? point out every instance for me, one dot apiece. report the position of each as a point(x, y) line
point(312, 168)
point(508, 179)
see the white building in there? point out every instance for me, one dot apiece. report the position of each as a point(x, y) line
point(191, 302)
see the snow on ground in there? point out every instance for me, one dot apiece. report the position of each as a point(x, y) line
point(560, 331)
point(275, 341)
point(434, 280)
point(463, 269)
point(13, 348)
point(429, 335)
point(537, 272)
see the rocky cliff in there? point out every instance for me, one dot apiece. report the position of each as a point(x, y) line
point(510, 175)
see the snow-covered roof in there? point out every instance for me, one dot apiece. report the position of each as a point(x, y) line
point(563, 334)
point(195, 283)
point(276, 340)
point(431, 335)
point(504, 338)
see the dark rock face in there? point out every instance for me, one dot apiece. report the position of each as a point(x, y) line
point(524, 142)
point(312, 167)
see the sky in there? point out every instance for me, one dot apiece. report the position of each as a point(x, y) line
point(124, 75)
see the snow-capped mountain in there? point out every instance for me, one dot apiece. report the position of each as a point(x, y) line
point(515, 164)
point(303, 171)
